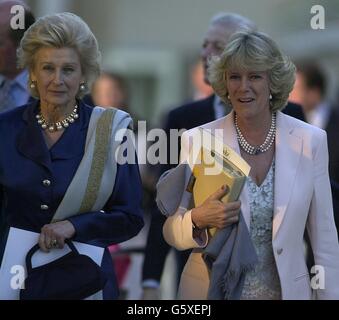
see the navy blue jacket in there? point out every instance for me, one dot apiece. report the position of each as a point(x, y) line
point(25, 162)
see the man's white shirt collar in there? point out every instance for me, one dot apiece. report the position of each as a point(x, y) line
point(319, 117)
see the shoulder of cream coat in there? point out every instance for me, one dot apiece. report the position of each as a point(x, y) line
point(299, 128)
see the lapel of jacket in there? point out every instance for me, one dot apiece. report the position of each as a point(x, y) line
point(30, 142)
point(70, 144)
point(230, 139)
point(288, 147)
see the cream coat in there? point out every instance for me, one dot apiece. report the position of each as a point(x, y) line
point(302, 198)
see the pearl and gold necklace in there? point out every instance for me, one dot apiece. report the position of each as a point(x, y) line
point(59, 125)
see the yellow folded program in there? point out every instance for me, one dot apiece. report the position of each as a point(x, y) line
point(216, 166)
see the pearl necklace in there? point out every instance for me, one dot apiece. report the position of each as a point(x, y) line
point(264, 146)
point(53, 126)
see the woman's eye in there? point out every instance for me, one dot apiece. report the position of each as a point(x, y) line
point(47, 68)
point(68, 70)
point(255, 76)
point(234, 77)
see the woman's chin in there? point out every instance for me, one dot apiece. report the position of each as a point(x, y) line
point(57, 101)
point(244, 111)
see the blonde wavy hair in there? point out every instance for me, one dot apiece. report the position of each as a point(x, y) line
point(63, 30)
point(256, 51)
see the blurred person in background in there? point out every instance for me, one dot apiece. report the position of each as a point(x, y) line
point(109, 90)
point(319, 111)
point(311, 91)
point(14, 90)
point(201, 89)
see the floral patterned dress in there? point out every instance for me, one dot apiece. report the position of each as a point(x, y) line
point(263, 282)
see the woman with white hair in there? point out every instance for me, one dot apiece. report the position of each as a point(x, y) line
point(50, 180)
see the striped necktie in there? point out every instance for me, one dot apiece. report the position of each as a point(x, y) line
point(6, 100)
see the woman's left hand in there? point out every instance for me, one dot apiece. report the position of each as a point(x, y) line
point(53, 235)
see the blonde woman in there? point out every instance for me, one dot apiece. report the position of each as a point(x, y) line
point(288, 189)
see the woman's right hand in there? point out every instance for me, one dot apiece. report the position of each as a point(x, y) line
point(214, 213)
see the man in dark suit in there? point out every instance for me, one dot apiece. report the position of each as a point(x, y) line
point(188, 116)
point(318, 111)
point(311, 84)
